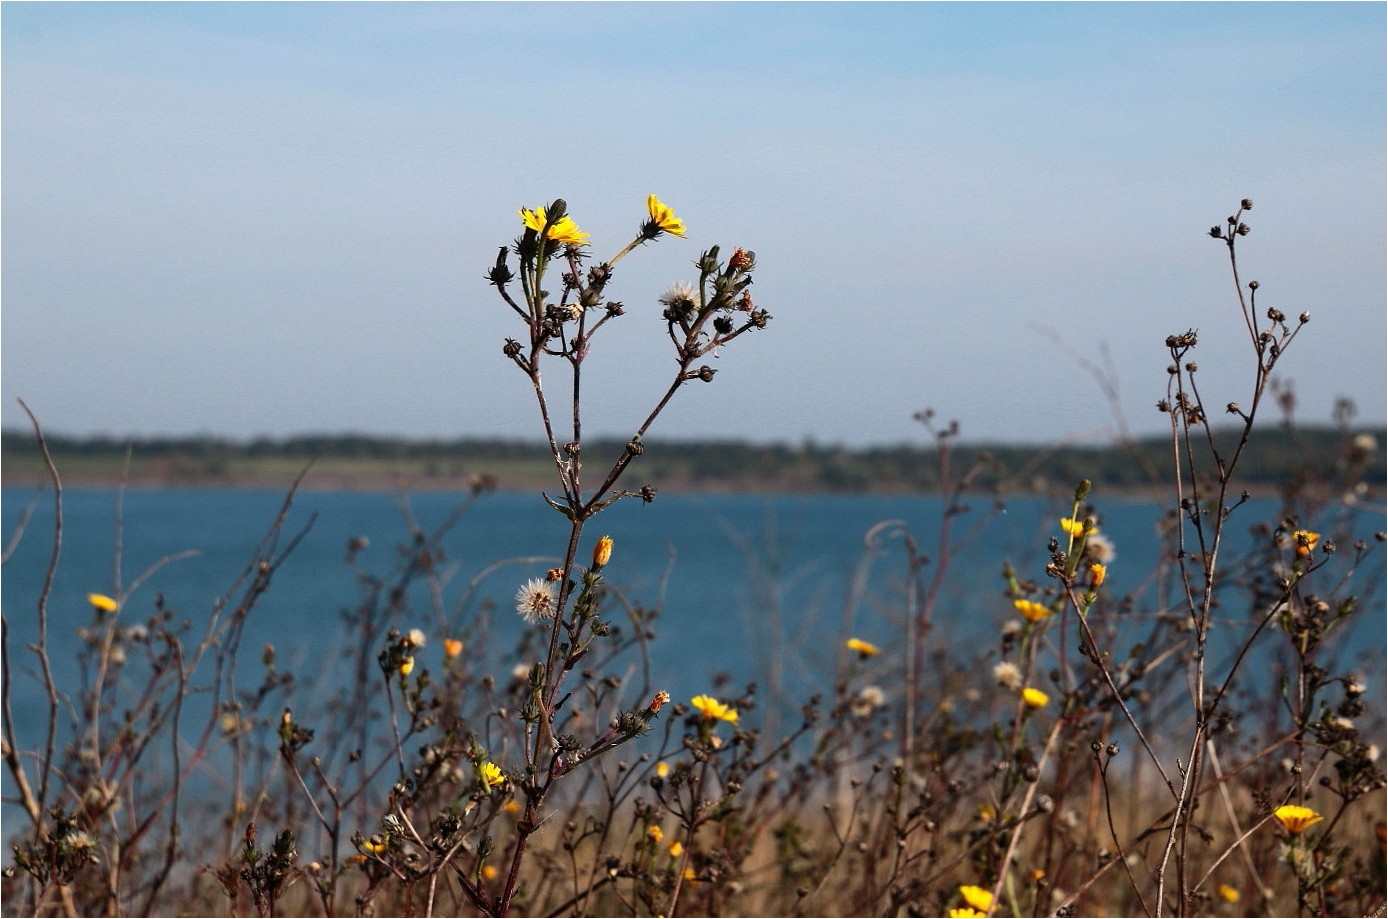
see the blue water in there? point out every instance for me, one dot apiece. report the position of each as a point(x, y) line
point(743, 582)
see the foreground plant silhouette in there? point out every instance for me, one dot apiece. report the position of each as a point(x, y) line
point(699, 318)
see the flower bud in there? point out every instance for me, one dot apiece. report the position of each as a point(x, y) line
point(602, 552)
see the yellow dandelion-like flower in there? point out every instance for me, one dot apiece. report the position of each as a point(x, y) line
point(654, 833)
point(1295, 817)
point(512, 806)
point(406, 666)
point(965, 912)
point(375, 845)
point(1228, 894)
point(452, 647)
point(663, 219)
point(1031, 610)
point(102, 603)
point(491, 774)
point(489, 872)
point(1305, 541)
point(662, 769)
point(1097, 573)
point(602, 552)
point(564, 230)
point(676, 850)
point(1074, 527)
point(977, 897)
point(864, 648)
point(713, 710)
point(1035, 698)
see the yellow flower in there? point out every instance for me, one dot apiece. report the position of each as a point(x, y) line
point(375, 845)
point(1305, 541)
point(1295, 817)
point(1035, 698)
point(1097, 573)
point(489, 872)
point(102, 602)
point(662, 218)
point(662, 769)
point(864, 648)
point(452, 647)
point(1229, 894)
point(406, 666)
point(1073, 527)
point(602, 552)
point(676, 850)
point(564, 230)
point(713, 710)
point(654, 833)
point(491, 774)
point(512, 806)
point(977, 897)
point(965, 912)
point(1031, 610)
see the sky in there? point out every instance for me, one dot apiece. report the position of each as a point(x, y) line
point(269, 219)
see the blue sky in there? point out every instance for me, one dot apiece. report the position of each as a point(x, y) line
point(265, 219)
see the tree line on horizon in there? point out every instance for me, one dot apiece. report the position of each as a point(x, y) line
point(1278, 456)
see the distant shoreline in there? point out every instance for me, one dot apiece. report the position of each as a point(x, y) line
point(1329, 458)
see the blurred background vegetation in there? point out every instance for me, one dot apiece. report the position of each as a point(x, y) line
point(1279, 457)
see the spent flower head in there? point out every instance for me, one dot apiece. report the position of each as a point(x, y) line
point(537, 599)
point(680, 299)
point(868, 700)
point(1099, 548)
point(1007, 674)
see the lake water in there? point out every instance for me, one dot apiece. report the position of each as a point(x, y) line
point(744, 582)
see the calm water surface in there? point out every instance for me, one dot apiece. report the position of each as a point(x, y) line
point(744, 582)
